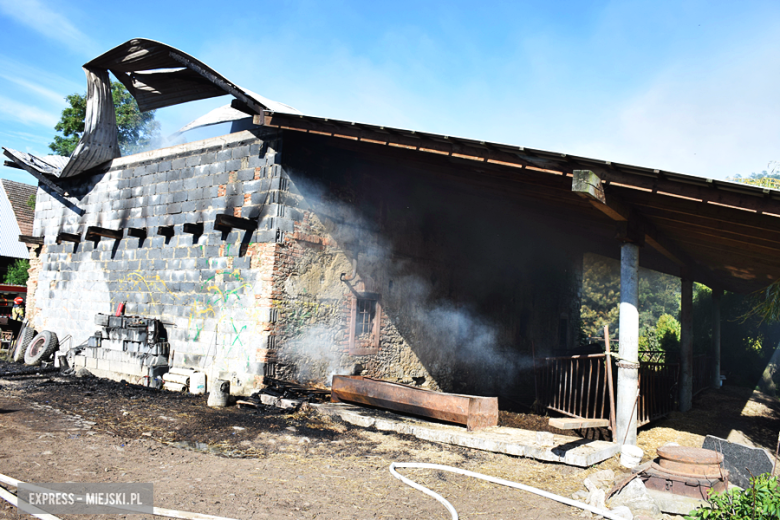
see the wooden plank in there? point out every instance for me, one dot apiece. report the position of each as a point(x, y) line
point(473, 411)
point(96, 233)
point(38, 241)
point(166, 231)
point(567, 423)
point(136, 232)
point(194, 229)
point(226, 222)
point(68, 237)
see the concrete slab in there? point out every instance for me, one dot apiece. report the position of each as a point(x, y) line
point(511, 441)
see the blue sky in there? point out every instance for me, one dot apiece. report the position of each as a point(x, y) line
point(683, 86)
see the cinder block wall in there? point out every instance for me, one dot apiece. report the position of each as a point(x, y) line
point(208, 289)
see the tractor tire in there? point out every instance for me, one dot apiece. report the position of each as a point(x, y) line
point(41, 348)
point(23, 339)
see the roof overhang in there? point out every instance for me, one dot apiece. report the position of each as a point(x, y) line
point(720, 233)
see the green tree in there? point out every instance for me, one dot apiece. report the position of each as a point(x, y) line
point(17, 272)
point(659, 294)
point(136, 129)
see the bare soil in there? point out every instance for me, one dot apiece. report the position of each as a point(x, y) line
point(243, 463)
point(269, 463)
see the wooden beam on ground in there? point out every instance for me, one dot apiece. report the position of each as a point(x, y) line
point(569, 423)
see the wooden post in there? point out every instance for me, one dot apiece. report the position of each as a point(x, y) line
point(686, 345)
point(608, 380)
point(716, 295)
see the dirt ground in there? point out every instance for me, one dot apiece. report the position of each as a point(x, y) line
point(268, 463)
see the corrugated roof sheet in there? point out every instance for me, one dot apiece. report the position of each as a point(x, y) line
point(16, 218)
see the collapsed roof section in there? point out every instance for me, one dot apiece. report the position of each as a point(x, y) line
point(157, 76)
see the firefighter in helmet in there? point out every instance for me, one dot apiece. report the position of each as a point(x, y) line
point(17, 312)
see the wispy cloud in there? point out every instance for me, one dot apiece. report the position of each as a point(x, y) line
point(26, 114)
point(49, 94)
point(49, 22)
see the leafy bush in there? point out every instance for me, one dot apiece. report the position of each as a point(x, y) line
point(760, 501)
point(17, 273)
point(667, 330)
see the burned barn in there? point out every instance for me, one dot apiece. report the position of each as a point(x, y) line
point(299, 247)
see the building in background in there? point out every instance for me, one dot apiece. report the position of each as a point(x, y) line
point(16, 218)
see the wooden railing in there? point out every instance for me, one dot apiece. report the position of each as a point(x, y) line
point(574, 386)
point(658, 390)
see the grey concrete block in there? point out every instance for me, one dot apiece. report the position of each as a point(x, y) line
point(246, 175)
point(193, 160)
point(256, 162)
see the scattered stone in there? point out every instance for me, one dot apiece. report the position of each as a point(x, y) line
point(580, 495)
point(602, 479)
point(83, 372)
point(636, 498)
point(741, 461)
point(675, 504)
point(623, 512)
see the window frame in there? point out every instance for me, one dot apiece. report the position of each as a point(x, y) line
point(371, 346)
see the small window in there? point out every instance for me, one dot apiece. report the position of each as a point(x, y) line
point(366, 313)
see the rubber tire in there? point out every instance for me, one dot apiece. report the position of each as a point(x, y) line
point(23, 339)
point(41, 348)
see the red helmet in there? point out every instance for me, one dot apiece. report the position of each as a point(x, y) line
point(18, 300)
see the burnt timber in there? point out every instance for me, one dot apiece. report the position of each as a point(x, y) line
point(474, 412)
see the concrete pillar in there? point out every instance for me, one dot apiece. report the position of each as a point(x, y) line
point(628, 366)
point(716, 294)
point(686, 345)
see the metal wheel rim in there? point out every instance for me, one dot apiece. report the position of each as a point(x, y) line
point(35, 346)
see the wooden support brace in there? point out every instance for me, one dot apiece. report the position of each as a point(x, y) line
point(30, 240)
point(96, 233)
point(194, 229)
point(136, 232)
point(68, 237)
point(585, 182)
point(569, 423)
point(225, 222)
point(166, 231)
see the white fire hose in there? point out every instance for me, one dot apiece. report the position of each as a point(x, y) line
point(563, 500)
